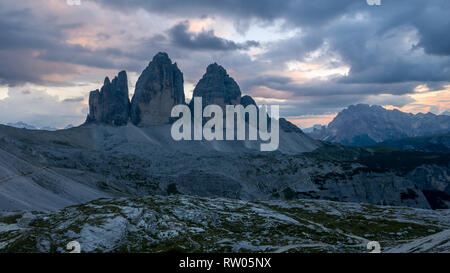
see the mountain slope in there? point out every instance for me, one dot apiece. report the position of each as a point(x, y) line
point(28, 185)
point(434, 143)
point(50, 170)
point(133, 161)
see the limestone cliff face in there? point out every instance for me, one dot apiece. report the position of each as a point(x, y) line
point(158, 89)
point(110, 104)
point(217, 87)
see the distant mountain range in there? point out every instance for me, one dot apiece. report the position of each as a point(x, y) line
point(364, 125)
point(23, 125)
point(311, 129)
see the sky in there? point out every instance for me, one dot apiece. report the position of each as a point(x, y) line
point(313, 58)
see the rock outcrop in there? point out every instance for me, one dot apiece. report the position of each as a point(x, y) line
point(217, 87)
point(110, 104)
point(158, 89)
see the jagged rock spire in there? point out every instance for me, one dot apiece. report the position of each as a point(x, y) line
point(110, 104)
point(158, 89)
point(217, 87)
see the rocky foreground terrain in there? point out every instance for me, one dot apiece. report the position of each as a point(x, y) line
point(192, 224)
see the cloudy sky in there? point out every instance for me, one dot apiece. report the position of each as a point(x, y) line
point(314, 58)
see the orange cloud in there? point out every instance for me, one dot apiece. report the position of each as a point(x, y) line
point(311, 120)
point(269, 93)
point(433, 101)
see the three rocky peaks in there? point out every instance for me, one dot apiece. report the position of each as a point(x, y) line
point(158, 89)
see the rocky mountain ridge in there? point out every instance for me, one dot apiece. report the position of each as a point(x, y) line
point(159, 88)
point(362, 125)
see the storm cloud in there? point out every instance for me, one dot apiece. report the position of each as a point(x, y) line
point(205, 40)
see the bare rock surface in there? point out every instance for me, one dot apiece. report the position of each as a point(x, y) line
point(362, 125)
point(111, 104)
point(217, 87)
point(158, 89)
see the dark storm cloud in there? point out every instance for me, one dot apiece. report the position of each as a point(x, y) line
point(429, 17)
point(73, 100)
point(21, 36)
point(205, 40)
point(32, 47)
point(381, 48)
point(299, 12)
point(330, 21)
point(17, 32)
point(389, 49)
point(331, 87)
point(321, 22)
point(266, 81)
point(76, 54)
point(330, 104)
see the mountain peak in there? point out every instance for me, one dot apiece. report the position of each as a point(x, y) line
point(162, 57)
point(158, 89)
point(217, 87)
point(364, 107)
point(215, 68)
point(106, 81)
point(122, 75)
